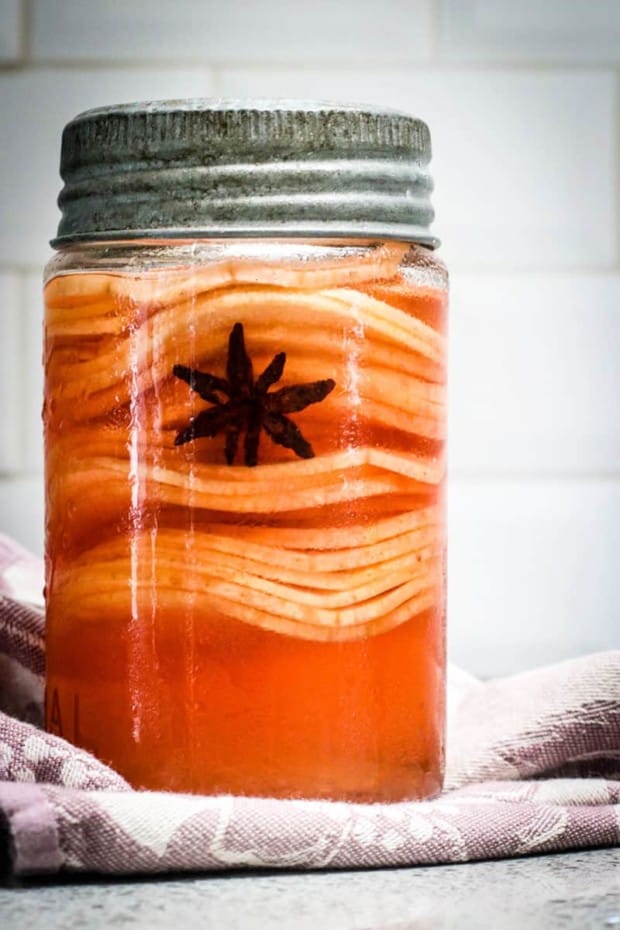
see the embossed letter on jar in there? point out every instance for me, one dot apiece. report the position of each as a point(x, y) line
point(245, 416)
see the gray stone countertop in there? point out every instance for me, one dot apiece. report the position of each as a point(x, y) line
point(579, 890)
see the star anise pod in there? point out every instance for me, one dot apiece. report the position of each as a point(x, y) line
point(244, 405)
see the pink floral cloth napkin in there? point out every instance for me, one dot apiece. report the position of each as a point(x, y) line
point(533, 765)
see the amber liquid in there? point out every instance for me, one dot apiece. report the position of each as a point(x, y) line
point(205, 639)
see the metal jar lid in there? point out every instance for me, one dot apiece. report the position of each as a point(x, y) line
point(240, 168)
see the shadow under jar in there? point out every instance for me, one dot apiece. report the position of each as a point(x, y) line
point(245, 423)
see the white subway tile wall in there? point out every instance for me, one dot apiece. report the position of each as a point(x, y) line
point(11, 375)
point(523, 103)
point(533, 573)
point(35, 104)
point(531, 30)
point(523, 161)
point(10, 31)
point(31, 380)
point(535, 374)
point(237, 31)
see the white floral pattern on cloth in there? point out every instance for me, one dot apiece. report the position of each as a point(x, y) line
point(65, 810)
point(142, 832)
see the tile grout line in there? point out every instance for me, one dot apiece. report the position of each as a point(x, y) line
point(386, 65)
point(436, 29)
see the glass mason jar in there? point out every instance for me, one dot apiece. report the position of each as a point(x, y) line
point(245, 352)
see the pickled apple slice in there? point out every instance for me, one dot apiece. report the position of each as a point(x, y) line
point(247, 593)
point(163, 287)
point(119, 605)
point(175, 568)
point(260, 311)
point(262, 549)
point(169, 487)
point(351, 476)
point(327, 537)
point(344, 566)
point(417, 605)
point(108, 449)
point(347, 585)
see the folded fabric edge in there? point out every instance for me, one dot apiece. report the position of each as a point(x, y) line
point(29, 842)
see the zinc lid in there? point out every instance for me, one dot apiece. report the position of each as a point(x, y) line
point(238, 168)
